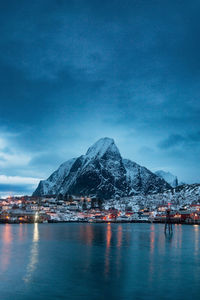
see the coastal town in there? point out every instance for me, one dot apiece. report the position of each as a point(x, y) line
point(52, 209)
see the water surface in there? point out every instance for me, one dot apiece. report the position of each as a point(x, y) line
point(98, 261)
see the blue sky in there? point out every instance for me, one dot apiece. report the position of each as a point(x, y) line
point(72, 72)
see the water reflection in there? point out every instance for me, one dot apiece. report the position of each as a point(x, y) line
point(180, 233)
point(162, 239)
point(124, 262)
point(21, 231)
point(87, 234)
point(33, 255)
point(196, 238)
point(152, 238)
point(108, 241)
point(176, 240)
point(196, 249)
point(6, 246)
point(108, 236)
point(119, 244)
point(151, 252)
point(119, 236)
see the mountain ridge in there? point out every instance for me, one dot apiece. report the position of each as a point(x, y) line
point(168, 177)
point(101, 172)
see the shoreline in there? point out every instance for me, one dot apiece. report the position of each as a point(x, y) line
point(102, 222)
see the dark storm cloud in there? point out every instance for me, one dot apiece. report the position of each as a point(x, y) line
point(74, 71)
point(172, 141)
point(175, 140)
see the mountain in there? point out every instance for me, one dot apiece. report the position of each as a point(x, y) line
point(167, 176)
point(52, 185)
point(186, 193)
point(181, 195)
point(141, 180)
point(101, 172)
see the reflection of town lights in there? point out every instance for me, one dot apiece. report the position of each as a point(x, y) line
point(36, 217)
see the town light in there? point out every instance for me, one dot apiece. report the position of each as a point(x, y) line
point(36, 216)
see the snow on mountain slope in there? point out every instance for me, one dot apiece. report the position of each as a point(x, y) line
point(101, 172)
point(101, 147)
point(167, 176)
point(141, 179)
point(181, 195)
point(52, 185)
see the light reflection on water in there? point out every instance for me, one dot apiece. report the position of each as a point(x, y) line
point(96, 261)
point(33, 255)
point(151, 252)
point(152, 238)
point(119, 236)
point(108, 241)
point(196, 238)
point(6, 246)
point(119, 245)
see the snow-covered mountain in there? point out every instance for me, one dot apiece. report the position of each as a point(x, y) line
point(167, 176)
point(52, 185)
point(141, 179)
point(181, 195)
point(187, 193)
point(101, 172)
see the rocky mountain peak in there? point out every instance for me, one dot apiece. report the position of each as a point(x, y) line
point(101, 147)
point(168, 177)
point(103, 173)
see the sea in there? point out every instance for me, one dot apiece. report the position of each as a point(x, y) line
point(99, 261)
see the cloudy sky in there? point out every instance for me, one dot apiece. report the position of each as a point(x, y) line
point(74, 71)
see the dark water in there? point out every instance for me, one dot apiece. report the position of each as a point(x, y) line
point(98, 261)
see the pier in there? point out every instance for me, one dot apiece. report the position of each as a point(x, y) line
point(168, 223)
